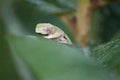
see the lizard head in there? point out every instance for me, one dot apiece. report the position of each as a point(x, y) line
point(43, 29)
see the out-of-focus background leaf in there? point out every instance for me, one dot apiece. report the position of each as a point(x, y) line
point(55, 7)
point(106, 22)
point(108, 55)
point(7, 67)
point(117, 35)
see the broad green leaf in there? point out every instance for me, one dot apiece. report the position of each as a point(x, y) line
point(50, 60)
point(108, 55)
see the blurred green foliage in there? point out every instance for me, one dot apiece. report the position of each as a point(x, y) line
point(116, 36)
point(7, 67)
point(27, 56)
point(106, 22)
point(108, 55)
point(56, 6)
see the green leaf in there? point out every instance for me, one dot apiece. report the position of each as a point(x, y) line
point(107, 22)
point(108, 55)
point(116, 36)
point(7, 66)
point(50, 60)
point(54, 7)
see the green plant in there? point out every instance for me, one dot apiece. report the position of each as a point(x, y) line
point(25, 55)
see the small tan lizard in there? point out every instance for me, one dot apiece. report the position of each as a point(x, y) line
point(50, 31)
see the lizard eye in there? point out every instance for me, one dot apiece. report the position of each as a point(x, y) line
point(64, 37)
